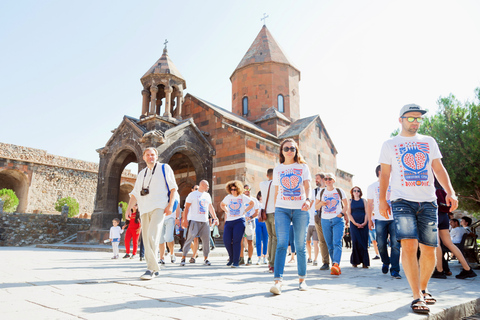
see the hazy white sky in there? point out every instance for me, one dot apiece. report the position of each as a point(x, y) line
point(71, 69)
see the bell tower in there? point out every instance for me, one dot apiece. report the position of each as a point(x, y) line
point(162, 85)
point(263, 79)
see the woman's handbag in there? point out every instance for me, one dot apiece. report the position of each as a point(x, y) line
point(263, 212)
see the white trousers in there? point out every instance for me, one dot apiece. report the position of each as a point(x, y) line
point(116, 251)
point(151, 227)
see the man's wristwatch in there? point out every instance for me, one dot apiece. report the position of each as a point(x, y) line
point(308, 200)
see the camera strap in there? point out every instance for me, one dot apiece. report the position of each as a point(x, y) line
point(145, 175)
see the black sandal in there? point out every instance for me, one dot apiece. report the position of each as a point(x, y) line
point(419, 306)
point(429, 299)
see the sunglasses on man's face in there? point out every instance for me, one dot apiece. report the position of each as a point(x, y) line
point(411, 119)
point(328, 179)
point(286, 149)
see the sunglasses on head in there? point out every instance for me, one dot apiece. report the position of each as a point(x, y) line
point(411, 119)
point(286, 149)
point(328, 179)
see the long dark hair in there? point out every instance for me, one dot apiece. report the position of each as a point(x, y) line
point(298, 157)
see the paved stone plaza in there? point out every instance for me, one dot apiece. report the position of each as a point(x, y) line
point(37, 283)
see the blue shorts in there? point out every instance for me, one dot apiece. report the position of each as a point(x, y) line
point(416, 220)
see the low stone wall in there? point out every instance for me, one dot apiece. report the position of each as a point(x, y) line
point(23, 229)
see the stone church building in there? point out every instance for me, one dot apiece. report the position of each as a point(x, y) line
point(201, 140)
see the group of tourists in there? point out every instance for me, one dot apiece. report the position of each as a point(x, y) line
point(401, 206)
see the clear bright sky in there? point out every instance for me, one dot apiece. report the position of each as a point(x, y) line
point(71, 69)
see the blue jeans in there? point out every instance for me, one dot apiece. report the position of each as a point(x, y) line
point(300, 219)
point(416, 220)
point(261, 236)
point(333, 234)
point(385, 228)
point(232, 238)
point(291, 240)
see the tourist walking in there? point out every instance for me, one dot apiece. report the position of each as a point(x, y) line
point(334, 204)
point(235, 204)
point(261, 235)
point(358, 228)
point(250, 216)
point(409, 162)
point(320, 182)
point(152, 196)
point(385, 228)
point(268, 198)
point(291, 179)
point(132, 223)
point(312, 238)
point(446, 240)
point(167, 234)
point(196, 221)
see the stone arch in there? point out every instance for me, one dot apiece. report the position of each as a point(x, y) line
point(119, 160)
point(18, 182)
point(124, 191)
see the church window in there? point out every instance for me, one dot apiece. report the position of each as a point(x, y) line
point(319, 160)
point(319, 131)
point(245, 106)
point(280, 105)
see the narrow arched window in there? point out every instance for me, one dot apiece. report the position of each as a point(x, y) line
point(245, 106)
point(280, 105)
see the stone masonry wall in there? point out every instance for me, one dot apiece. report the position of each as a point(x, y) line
point(50, 177)
point(23, 229)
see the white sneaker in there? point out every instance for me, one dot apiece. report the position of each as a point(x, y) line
point(173, 258)
point(276, 288)
point(302, 286)
point(259, 260)
point(265, 260)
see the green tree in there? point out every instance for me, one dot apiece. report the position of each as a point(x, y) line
point(456, 127)
point(73, 206)
point(10, 199)
point(124, 208)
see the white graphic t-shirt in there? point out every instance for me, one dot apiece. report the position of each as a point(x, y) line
point(236, 206)
point(255, 207)
point(199, 204)
point(334, 205)
point(373, 192)
point(312, 212)
point(289, 179)
point(411, 160)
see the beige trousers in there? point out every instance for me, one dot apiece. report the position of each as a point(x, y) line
point(272, 239)
point(321, 242)
point(151, 226)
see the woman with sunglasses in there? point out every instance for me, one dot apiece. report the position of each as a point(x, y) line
point(235, 204)
point(358, 228)
point(292, 186)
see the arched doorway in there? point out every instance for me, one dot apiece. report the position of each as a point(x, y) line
point(18, 182)
point(185, 174)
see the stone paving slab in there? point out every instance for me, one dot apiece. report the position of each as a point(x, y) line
point(75, 284)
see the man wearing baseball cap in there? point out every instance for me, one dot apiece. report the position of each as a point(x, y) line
point(411, 160)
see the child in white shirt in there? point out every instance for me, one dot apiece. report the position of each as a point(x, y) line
point(115, 234)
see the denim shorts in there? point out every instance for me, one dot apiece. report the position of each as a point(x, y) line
point(416, 220)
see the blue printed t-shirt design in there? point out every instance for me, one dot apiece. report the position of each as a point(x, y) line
point(411, 160)
point(290, 179)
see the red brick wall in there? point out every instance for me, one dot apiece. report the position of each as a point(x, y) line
point(262, 83)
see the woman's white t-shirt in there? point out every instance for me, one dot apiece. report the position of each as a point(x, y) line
point(334, 203)
point(289, 179)
point(235, 206)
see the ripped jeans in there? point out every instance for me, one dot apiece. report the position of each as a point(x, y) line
point(416, 220)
